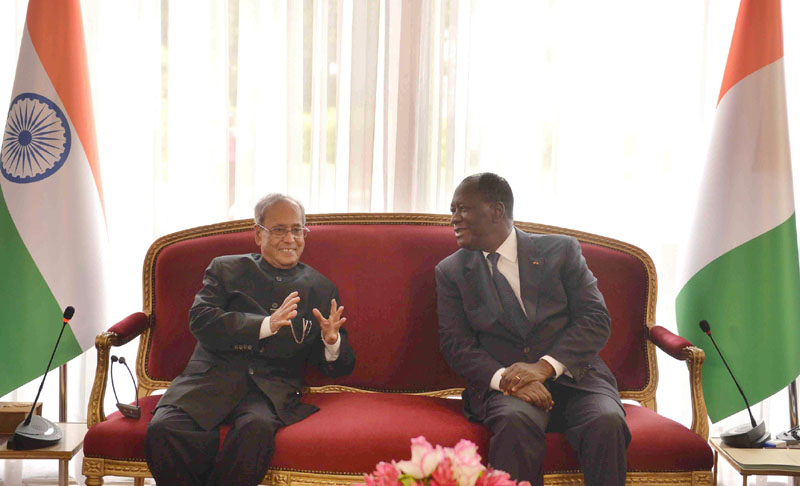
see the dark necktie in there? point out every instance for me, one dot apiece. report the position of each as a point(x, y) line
point(511, 308)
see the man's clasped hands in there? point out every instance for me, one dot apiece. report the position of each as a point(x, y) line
point(526, 381)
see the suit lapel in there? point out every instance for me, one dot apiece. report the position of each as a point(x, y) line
point(530, 272)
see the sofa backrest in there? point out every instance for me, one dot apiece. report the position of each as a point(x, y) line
point(383, 265)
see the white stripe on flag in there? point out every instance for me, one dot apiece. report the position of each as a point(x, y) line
point(746, 192)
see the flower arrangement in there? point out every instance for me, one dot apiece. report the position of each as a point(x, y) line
point(439, 466)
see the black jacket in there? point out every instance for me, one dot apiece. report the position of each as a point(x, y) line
point(238, 292)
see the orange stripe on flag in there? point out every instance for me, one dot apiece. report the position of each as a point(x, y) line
point(757, 41)
point(56, 31)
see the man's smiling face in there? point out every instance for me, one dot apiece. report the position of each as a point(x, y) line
point(472, 218)
point(281, 252)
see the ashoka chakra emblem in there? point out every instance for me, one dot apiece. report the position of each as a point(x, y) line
point(36, 141)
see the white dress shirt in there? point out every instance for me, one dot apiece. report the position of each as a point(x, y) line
point(507, 265)
point(331, 350)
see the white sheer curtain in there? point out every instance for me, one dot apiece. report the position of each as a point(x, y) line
point(598, 113)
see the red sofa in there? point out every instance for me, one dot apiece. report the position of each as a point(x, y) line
point(383, 265)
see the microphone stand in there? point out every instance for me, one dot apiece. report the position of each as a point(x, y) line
point(751, 435)
point(36, 431)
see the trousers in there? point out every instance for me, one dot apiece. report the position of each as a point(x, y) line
point(593, 424)
point(181, 453)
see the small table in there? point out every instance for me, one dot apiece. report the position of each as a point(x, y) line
point(67, 447)
point(757, 462)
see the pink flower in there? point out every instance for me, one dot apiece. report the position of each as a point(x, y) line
point(466, 462)
point(467, 475)
point(424, 459)
point(438, 466)
point(443, 475)
point(493, 477)
point(387, 474)
point(466, 453)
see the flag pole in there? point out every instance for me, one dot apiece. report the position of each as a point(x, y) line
point(62, 396)
point(63, 472)
point(792, 404)
point(792, 388)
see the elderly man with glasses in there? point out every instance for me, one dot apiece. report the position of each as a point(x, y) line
point(258, 321)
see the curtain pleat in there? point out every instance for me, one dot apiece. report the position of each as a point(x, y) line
point(197, 116)
point(363, 72)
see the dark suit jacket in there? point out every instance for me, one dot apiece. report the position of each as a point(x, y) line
point(567, 317)
point(238, 292)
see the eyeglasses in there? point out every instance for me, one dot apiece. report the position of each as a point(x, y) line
point(280, 232)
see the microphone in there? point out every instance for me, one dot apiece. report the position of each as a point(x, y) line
point(36, 431)
point(753, 435)
point(130, 411)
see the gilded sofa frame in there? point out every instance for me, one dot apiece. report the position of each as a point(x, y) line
point(95, 468)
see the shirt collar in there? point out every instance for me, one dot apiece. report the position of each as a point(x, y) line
point(508, 249)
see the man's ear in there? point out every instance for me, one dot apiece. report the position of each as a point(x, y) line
point(257, 235)
point(498, 211)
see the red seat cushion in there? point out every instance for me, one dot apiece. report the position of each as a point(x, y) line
point(657, 444)
point(350, 434)
point(661, 444)
point(120, 437)
point(354, 431)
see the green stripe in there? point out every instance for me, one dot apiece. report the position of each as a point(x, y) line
point(751, 298)
point(30, 317)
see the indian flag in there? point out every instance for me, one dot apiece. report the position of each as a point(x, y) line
point(741, 269)
point(52, 227)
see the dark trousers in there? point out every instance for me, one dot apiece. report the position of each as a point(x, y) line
point(593, 424)
point(181, 453)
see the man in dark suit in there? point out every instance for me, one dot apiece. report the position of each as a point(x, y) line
point(522, 320)
point(257, 323)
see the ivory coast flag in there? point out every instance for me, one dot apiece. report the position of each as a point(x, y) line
point(52, 228)
point(741, 269)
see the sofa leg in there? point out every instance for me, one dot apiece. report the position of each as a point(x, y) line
point(138, 481)
point(94, 481)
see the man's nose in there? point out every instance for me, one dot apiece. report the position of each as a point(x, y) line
point(455, 217)
point(288, 235)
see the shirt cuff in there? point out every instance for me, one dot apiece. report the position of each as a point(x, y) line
point(494, 384)
point(556, 364)
point(266, 329)
point(332, 350)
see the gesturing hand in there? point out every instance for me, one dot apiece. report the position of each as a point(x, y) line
point(330, 326)
point(285, 313)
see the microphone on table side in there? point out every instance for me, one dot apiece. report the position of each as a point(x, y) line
point(753, 434)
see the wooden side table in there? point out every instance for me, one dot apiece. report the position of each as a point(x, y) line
point(757, 462)
point(68, 446)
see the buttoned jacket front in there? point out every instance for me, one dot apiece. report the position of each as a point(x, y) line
point(238, 292)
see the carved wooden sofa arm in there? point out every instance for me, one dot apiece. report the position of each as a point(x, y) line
point(682, 349)
point(120, 333)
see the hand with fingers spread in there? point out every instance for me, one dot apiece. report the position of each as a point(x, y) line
point(330, 326)
point(535, 393)
point(285, 313)
point(519, 375)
